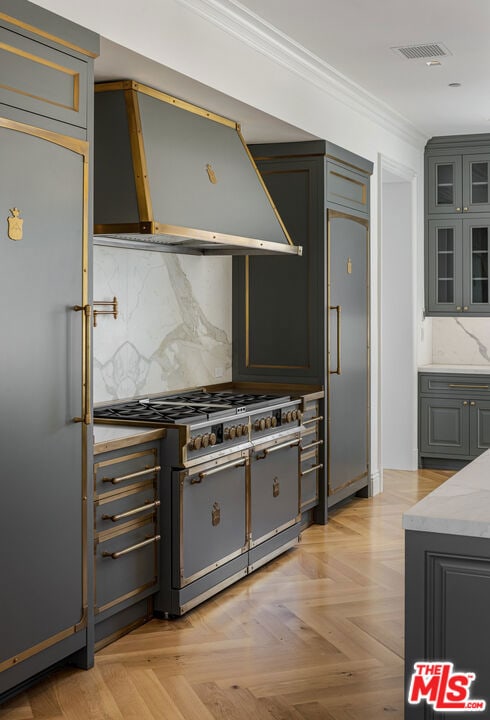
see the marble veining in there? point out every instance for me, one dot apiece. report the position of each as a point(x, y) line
point(174, 325)
point(461, 341)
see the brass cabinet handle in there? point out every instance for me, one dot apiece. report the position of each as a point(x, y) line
point(468, 387)
point(275, 448)
point(130, 476)
point(86, 364)
point(311, 445)
point(220, 468)
point(312, 469)
point(132, 548)
point(338, 309)
point(134, 511)
point(313, 420)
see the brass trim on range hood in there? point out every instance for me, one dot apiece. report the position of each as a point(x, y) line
point(140, 228)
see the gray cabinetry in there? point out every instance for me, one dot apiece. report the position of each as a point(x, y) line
point(45, 603)
point(447, 585)
point(454, 418)
point(311, 454)
point(126, 536)
point(458, 225)
point(292, 325)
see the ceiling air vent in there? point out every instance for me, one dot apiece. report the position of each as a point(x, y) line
point(425, 50)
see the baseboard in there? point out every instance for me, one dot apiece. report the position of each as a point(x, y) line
point(375, 483)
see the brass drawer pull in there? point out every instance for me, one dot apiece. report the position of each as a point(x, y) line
point(134, 511)
point(220, 468)
point(132, 548)
point(468, 387)
point(275, 448)
point(312, 469)
point(311, 445)
point(130, 476)
point(338, 309)
point(313, 420)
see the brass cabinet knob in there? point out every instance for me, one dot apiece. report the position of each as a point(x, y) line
point(465, 402)
point(465, 308)
point(458, 209)
point(459, 308)
point(472, 403)
point(465, 209)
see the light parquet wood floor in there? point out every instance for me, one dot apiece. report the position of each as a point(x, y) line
point(315, 635)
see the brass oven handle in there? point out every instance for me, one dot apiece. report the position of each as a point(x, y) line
point(220, 468)
point(313, 420)
point(86, 364)
point(312, 469)
point(311, 445)
point(134, 511)
point(338, 309)
point(130, 476)
point(468, 387)
point(120, 553)
point(275, 448)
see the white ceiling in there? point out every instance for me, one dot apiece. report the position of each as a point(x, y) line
point(355, 37)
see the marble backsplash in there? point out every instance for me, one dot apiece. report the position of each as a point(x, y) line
point(461, 341)
point(174, 324)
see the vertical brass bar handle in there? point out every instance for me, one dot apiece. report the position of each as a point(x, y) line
point(338, 309)
point(86, 363)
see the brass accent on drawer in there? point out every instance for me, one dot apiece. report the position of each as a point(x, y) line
point(468, 387)
point(131, 548)
point(130, 476)
point(312, 469)
point(133, 511)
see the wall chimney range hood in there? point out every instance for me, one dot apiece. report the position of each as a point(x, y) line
point(173, 177)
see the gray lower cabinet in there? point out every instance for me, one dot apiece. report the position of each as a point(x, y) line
point(126, 538)
point(447, 585)
point(305, 321)
point(454, 418)
point(45, 438)
point(311, 456)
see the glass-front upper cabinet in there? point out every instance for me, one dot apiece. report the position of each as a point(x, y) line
point(476, 187)
point(445, 287)
point(476, 251)
point(445, 185)
point(458, 184)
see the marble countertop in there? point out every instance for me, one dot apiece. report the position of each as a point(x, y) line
point(114, 437)
point(460, 506)
point(455, 369)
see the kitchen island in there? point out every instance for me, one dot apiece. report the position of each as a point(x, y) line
point(447, 580)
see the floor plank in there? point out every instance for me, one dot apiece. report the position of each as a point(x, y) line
point(316, 634)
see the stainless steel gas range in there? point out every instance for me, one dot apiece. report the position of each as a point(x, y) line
point(229, 488)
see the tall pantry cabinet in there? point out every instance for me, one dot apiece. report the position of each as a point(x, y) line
point(304, 321)
point(46, 85)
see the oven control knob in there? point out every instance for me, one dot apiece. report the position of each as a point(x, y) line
point(274, 421)
point(268, 422)
point(239, 430)
point(257, 425)
point(294, 415)
point(197, 442)
point(232, 433)
point(212, 438)
point(262, 423)
point(190, 444)
point(226, 434)
point(289, 416)
point(244, 429)
point(205, 440)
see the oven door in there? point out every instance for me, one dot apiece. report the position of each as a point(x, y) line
point(209, 517)
point(274, 487)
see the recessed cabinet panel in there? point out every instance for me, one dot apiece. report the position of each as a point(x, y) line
point(479, 426)
point(445, 266)
point(444, 426)
point(476, 251)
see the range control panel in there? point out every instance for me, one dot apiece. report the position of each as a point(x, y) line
point(270, 420)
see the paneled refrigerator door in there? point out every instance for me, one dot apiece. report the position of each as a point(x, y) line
point(44, 384)
point(348, 355)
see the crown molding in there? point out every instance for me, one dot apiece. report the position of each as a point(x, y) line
point(250, 28)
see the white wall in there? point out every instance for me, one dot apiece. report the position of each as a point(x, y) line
point(398, 337)
point(267, 72)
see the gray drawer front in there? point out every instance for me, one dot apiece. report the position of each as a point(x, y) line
point(212, 527)
point(347, 187)
point(461, 384)
point(118, 578)
point(125, 469)
point(109, 509)
point(42, 80)
point(274, 492)
point(444, 426)
point(310, 467)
